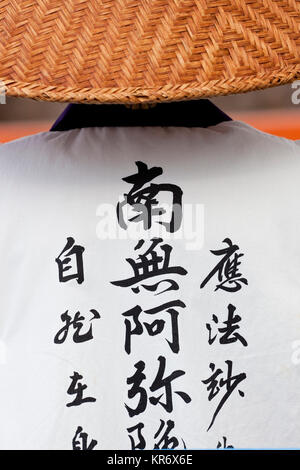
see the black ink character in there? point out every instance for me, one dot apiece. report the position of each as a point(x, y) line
point(136, 380)
point(64, 261)
point(142, 199)
point(133, 325)
point(77, 388)
point(229, 331)
point(229, 277)
point(167, 442)
point(80, 441)
point(224, 445)
point(77, 324)
point(141, 444)
point(158, 383)
point(151, 264)
point(214, 386)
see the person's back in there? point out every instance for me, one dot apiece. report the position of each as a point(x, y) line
point(150, 289)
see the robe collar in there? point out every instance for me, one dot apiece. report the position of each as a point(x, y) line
point(196, 113)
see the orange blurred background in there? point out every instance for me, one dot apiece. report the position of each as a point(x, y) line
point(270, 110)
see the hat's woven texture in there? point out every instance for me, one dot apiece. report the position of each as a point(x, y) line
point(130, 51)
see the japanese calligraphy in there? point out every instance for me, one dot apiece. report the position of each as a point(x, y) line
point(156, 326)
point(228, 333)
point(70, 266)
point(77, 324)
point(71, 258)
point(224, 445)
point(215, 383)
point(227, 269)
point(143, 199)
point(77, 388)
point(159, 382)
point(80, 441)
point(151, 264)
point(152, 272)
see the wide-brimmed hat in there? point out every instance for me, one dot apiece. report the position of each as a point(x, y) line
point(131, 51)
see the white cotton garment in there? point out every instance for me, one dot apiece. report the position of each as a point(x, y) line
point(150, 289)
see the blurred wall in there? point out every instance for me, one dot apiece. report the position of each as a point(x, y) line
point(275, 98)
point(270, 110)
point(22, 109)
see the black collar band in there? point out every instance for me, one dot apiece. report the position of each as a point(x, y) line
point(198, 113)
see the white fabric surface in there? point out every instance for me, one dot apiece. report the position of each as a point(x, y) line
point(245, 186)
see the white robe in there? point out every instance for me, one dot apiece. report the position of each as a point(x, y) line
point(239, 185)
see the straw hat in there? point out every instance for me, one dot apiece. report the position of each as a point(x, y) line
point(130, 51)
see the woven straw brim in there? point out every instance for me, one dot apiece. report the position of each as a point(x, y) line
point(119, 51)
